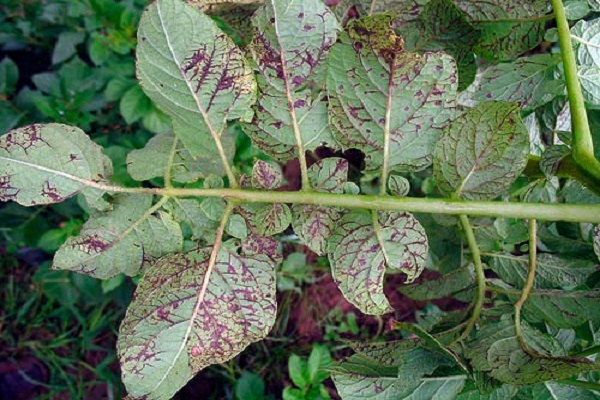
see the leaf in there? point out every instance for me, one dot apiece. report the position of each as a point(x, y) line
point(314, 224)
point(562, 309)
point(444, 286)
point(576, 9)
point(318, 361)
point(378, 90)
point(151, 161)
point(587, 52)
point(552, 270)
point(528, 81)
point(134, 104)
point(298, 370)
point(189, 212)
point(398, 185)
point(249, 386)
point(508, 28)
point(506, 392)
point(45, 164)
point(482, 152)
point(66, 46)
point(560, 391)
point(194, 73)
point(589, 77)
point(290, 46)
point(9, 76)
point(266, 176)
point(596, 235)
point(365, 243)
point(267, 219)
point(360, 379)
point(497, 352)
point(120, 240)
point(171, 331)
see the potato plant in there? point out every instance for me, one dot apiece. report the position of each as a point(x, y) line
point(475, 104)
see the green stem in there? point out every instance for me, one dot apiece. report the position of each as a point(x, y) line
point(479, 277)
point(583, 146)
point(528, 283)
point(566, 169)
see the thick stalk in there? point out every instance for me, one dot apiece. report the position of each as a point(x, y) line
point(479, 277)
point(583, 147)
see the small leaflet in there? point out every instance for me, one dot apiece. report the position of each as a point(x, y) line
point(482, 152)
point(364, 243)
point(48, 163)
point(312, 223)
point(152, 161)
point(121, 240)
point(266, 176)
point(398, 185)
point(173, 329)
point(597, 241)
point(291, 44)
point(378, 90)
point(194, 73)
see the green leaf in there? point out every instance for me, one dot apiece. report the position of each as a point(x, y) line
point(562, 309)
point(120, 240)
point(266, 176)
point(576, 9)
point(151, 161)
point(298, 370)
point(359, 379)
point(364, 243)
point(444, 286)
point(318, 361)
point(66, 46)
point(249, 386)
point(497, 352)
point(134, 105)
point(508, 28)
point(290, 46)
point(589, 77)
point(380, 92)
point(482, 152)
point(267, 219)
point(44, 164)
point(9, 76)
point(553, 271)
point(173, 328)
point(528, 81)
point(594, 5)
point(194, 73)
point(398, 185)
point(506, 392)
point(314, 224)
point(189, 213)
point(586, 50)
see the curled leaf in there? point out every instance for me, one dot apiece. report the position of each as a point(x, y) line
point(45, 164)
point(170, 332)
point(365, 243)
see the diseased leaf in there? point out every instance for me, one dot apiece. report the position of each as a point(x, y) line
point(194, 73)
point(173, 328)
point(151, 161)
point(291, 43)
point(360, 378)
point(267, 219)
point(377, 89)
point(444, 286)
point(528, 81)
point(562, 309)
point(497, 352)
point(398, 185)
point(314, 224)
point(508, 27)
point(45, 164)
point(482, 152)
point(266, 176)
point(553, 271)
point(120, 241)
point(364, 243)
point(586, 49)
point(589, 77)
